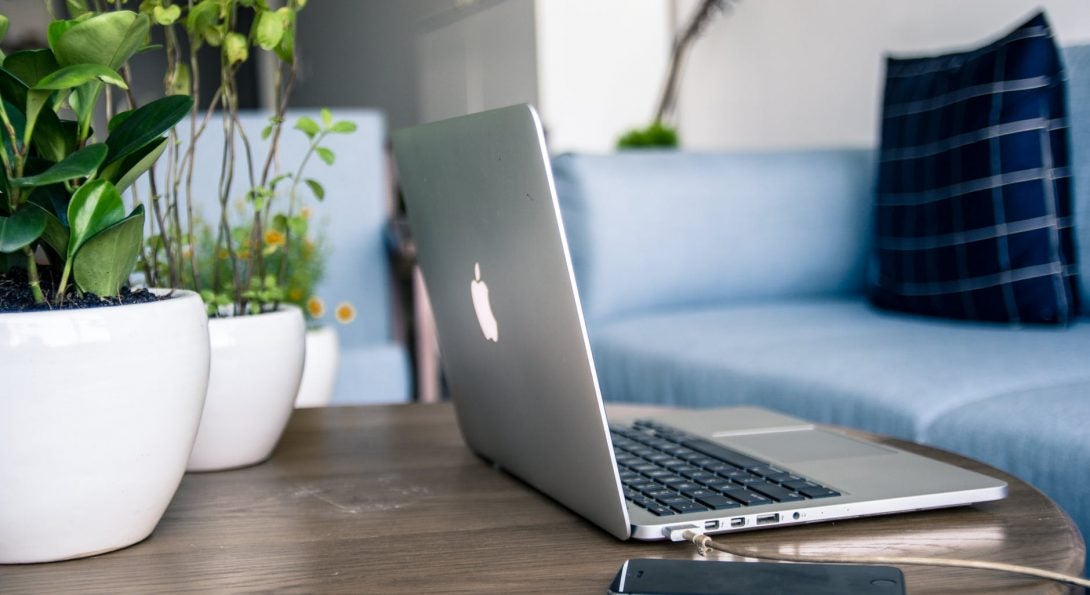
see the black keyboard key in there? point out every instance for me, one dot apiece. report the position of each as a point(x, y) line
point(657, 473)
point(661, 494)
point(685, 469)
point(746, 497)
point(685, 486)
point(701, 476)
point(746, 479)
point(675, 500)
point(689, 507)
point(704, 462)
point(717, 502)
point(781, 477)
point(643, 485)
point(673, 464)
point(659, 509)
point(800, 484)
point(627, 476)
point(717, 483)
point(672, 480)
point(722, 453)
point(818, 492)
point(659, 458)
point(644, 467)
point(777, 493)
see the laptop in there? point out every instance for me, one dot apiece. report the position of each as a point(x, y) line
point(491, 245)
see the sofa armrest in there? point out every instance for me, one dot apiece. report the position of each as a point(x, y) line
point(654, 230)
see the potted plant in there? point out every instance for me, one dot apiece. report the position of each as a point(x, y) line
point(237, 263)
point(99, 412)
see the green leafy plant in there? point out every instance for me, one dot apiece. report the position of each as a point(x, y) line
point(61, 188)
point(293, 261)
point(242, 262)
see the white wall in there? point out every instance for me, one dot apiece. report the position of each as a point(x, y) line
point(809, 73)
point(600, 67)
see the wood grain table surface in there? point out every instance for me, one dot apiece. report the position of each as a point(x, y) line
point(387, 499)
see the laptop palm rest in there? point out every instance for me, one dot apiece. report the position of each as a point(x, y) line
point(804, 446)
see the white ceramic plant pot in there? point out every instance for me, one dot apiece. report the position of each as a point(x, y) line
point(98, 411)
point(257, 362)
point(320, 370)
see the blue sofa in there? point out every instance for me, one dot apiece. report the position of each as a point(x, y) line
point(727, 279)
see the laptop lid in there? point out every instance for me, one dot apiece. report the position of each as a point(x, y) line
point(491, 245)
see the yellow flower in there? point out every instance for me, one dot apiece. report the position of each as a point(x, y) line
point(244, 254)
point(345, 313)
point(295, 294)
point(316, 307)
point(305, 212)
point(223, 254)
point(274, 238)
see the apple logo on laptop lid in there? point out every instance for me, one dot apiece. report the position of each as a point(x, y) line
point(482, 305)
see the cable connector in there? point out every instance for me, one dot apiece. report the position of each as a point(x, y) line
point(678, 532)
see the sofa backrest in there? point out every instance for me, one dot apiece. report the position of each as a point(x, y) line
point(1077, 61)
point(652, 230)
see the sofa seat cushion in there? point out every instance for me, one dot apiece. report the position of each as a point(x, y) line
point(831, 360)
point(1037, 434)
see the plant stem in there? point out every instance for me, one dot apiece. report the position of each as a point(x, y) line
point(32, 274)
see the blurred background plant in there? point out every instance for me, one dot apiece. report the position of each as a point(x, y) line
point(662, 132)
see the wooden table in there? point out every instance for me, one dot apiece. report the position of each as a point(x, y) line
point(388, 499)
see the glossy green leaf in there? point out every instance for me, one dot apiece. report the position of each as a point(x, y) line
point(55, 234)
point(308, 126)
point(4, 24)
point(234, 47)
point(108, 39)
point(81, 164)
point(285, 50)
point(166, 15)
point(343, 127)
point(94, 207)
point(327, 117)
point(203, 16)
point(22, 228)
point(106, 260)
point(180, 84)
point(18, 122)
point(146, 124)
point(12, 88)
point(268, 30)
point(75, 75)
point(56, 29)
point(129, 169)
point(76, 8)
point(325, 155)
point(36, 100)
point(316, 188)
point(31, 65)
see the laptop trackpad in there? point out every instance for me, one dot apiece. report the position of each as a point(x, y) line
point(805, 446)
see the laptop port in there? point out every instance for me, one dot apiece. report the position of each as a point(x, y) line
point(768, 518)
point(711, 525)
point(738, 522)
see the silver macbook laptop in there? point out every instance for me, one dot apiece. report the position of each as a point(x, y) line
point(491, 244)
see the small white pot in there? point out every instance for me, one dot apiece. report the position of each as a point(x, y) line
point(98, 411)
point(257, 362)
point(320, 370)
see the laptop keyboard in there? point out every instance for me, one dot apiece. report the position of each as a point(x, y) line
point(667, 472)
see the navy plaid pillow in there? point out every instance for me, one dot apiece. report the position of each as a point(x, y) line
point(974, 192)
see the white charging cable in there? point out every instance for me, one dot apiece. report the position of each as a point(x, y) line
point(706, 543)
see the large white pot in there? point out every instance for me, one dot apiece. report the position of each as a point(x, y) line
point(320, 369)
point(98, 411)
point(257, 362)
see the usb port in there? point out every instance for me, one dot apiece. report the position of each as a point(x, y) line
point(768, 518)
point(738, 522)
point(711, 525)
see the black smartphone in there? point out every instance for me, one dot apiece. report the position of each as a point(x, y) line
point(647, 576)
